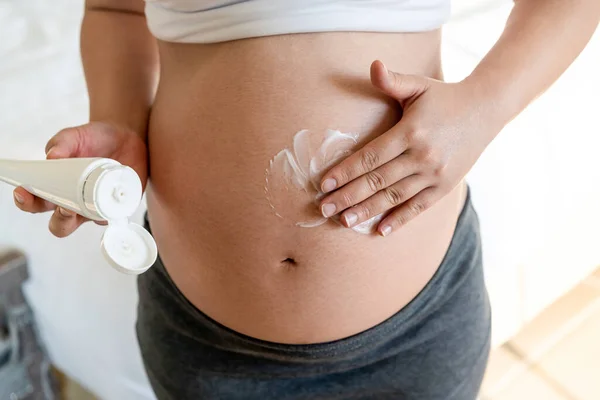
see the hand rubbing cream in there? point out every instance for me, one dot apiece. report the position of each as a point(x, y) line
point(301, 168)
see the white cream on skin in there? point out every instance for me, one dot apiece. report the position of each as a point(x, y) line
point(301, 168)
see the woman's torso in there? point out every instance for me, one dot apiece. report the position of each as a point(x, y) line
point(222, 112)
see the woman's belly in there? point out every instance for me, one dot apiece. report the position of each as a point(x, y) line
point(221, 114)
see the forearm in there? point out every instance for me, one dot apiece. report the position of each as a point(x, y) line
point(541, 39)
point(120, 63)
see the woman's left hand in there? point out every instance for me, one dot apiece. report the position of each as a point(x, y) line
point(421, 159)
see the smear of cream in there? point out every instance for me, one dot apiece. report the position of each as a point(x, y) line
point(301, 168)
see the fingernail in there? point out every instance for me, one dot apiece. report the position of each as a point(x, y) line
point(19, 199)
point(65, 213)
point(350, 219)
point(328, 210)
point(386, 230)
point(329, 185)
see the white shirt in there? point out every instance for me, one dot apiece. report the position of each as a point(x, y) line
point(209, 21)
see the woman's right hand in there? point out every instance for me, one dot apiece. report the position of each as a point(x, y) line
point(95, 139)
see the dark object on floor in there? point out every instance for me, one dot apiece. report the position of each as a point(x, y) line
point(24, 367)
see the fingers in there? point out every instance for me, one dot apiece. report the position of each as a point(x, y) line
point(398, 86)
point(387, 146)
point(367, 185)
point(407, 211)
point(30, 203)
point(384, 200)
point(375, 154)
point(64, 222)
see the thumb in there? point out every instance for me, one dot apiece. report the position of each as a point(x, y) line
point(65, 144)
point(398, 86)
point(94, 139)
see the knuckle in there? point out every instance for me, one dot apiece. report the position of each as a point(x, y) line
point(393, 195)
point(417, 207)
point(347, 199)
point(369, 158)
point(412, 134)
point(342, 175)
point(364, 211)
point(428, 156)
point(401, 219)
point(376, 181)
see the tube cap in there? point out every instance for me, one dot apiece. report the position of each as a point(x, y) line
point(129, 248)
point(117, 192)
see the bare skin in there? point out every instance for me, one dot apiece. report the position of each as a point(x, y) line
point(212, 133)
point(222, 111)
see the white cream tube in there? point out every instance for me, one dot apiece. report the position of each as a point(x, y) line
point(70, 183)
point(100, 189)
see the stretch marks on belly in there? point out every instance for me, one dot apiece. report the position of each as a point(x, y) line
point(300, 168)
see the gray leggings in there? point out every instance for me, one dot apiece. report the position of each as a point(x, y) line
point(436, 347)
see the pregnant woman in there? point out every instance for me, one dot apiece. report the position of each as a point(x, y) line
point(306, 167)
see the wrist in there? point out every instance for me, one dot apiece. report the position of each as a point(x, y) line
point(492, 100)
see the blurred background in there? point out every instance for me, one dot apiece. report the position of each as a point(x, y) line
point(536, 189)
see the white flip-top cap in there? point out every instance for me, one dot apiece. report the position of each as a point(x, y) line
point(113, 192)
point(117, 192)
point(129, 248)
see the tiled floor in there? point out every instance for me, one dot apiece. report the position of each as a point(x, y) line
point(555, 357)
